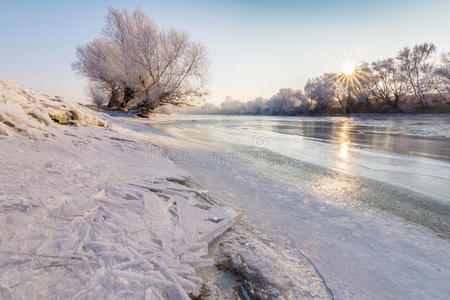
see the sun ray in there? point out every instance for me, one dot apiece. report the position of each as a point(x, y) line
point(348, 68)
point(351, 76)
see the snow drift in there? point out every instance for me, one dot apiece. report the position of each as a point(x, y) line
point(93, 212)
point(34, 114)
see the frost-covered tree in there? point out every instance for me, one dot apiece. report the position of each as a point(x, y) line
point(385, 81)
point(442, 77)
point(163, 66)
point(416, 64)
point(343, 95)
point(97, 95)
point(100, 62)
point(148, 66)
point(321, 91)
point(257, 106)
point(443, 69)
point(231, 106)
point(287, 102)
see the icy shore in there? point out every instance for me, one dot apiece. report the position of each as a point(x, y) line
point(92, 209)
point(341, 222)
point(87, 211)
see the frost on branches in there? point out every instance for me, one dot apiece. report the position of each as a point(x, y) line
point(140, 66)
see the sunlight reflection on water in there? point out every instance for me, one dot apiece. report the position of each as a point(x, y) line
point(343, 150)
point(380, 148)
point(344, 144)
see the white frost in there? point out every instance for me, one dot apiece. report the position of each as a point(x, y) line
point(92, 212)
point(31, 113)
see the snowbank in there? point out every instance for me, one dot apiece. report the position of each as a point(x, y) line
point(31, 113)
point(93, 212)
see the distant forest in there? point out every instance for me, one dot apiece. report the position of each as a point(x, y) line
point(417, 80)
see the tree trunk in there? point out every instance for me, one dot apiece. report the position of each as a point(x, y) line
point(147, 109)
point(128, 95)
point(368, 104)
point(114, 99)
point(423, 104)
point(396, 100)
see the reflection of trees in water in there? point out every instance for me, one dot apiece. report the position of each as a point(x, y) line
point(392, 136)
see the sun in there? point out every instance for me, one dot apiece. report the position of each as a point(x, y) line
point(348, 69)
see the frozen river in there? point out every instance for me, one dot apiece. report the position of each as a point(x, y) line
point(367, 199)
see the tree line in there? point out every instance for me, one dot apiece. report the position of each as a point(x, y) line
point(416, 80)
point(136, 65)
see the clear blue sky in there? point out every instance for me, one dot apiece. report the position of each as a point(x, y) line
point(255, 47)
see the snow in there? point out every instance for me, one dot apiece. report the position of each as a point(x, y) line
point(89, 209)
point(34, 114)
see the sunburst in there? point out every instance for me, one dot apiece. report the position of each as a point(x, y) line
point(348, 68)
point(351, 76)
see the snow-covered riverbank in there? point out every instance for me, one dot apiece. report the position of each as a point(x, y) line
point(92, 209)
point(94, 206)
point(85, 214)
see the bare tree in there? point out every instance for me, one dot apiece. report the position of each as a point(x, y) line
point(385, 81)
point(100, 62)
point(147, 66)
point(163, 67)
point(97, 95)
point(287, 102)
point(415, 63)
point(321, 90)
point(257, 106)
point(343, 95)
point(442, 78)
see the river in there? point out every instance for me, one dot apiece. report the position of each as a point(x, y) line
point(367, 198)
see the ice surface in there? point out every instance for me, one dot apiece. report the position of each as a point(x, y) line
point(402, 153)
point(268, 270)
point(307, 192)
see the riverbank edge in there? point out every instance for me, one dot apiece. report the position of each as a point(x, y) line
point(246, 263)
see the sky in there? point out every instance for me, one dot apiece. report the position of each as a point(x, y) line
point(254, 47)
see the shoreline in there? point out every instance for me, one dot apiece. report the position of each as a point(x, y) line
point(347, 239)
point(87, 211)
point(249, 265)
point(411, 206)
point(90, 208)
point(246, 263)
point(96, 206)
point(246, 258)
